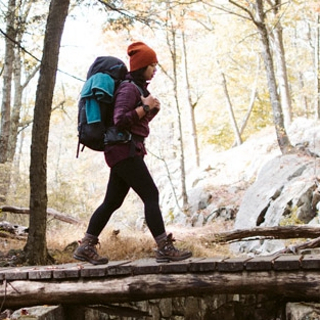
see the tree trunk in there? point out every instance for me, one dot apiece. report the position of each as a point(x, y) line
point(7, 81)
point(317, 66)
point(18, 86)
point(287, 232)
point(281, 67)
point(12, 75)
point(192, 105)
point(5, 165)
point(259, 20)
point(17, 103)
point(229, 107)
point(169, 178)
point(299, 284)
point(171, 41)
point(36, 250)
point(282, 137)
point(303, 99)
point(254, 92)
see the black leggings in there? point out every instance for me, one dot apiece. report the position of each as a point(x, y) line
point(129, 173)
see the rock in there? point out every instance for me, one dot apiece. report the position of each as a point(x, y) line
point(198, 198)
point(6, 314)
point(39, 313)
point(302, 311)
point(281, 195)
point(165, 306)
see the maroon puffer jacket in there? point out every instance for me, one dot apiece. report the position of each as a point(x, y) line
point(127, 99)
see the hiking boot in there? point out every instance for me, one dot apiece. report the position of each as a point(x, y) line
point(166, 251)
point(87, 251)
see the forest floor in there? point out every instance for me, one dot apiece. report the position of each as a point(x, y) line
point(121, 244)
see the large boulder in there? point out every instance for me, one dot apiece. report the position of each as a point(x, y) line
point(282, 194)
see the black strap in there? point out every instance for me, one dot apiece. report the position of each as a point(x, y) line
point(139, 88)
point(135, 138)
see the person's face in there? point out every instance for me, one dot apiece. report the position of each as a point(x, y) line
point(150, 71)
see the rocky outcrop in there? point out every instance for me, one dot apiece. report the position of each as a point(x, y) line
point(284, 193)
point(285, 190)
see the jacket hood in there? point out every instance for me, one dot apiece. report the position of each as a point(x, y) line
point(113, 66)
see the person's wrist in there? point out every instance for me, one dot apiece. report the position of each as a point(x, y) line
point(146, 108)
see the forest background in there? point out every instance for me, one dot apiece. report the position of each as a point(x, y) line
point(215, 80)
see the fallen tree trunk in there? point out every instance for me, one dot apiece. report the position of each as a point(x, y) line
point(7, 235)
point(13, 231)
point(286, 232)
point(51, 212)
point(294, 285)
point(306, 245)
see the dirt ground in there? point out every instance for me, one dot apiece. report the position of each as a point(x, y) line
point(121, 244)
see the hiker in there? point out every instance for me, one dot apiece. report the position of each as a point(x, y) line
point(133, 112)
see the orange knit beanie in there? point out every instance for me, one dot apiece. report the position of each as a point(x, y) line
point(140, 56)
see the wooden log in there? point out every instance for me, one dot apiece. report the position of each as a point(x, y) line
point(278, 232)
point(12, 228)
point(6, 235)
point(298, 284)
point(9, 230)
point(314, 243)
point(51, 212)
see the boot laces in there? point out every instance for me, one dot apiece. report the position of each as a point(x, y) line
point(169, 243)
point(91, 246)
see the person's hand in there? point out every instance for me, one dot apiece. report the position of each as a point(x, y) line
point(151, 101)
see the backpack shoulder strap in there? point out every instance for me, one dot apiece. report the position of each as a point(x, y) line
point(131, 81)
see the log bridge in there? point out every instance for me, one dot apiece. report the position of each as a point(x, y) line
point(296, 277)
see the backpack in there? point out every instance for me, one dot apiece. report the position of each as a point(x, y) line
point(95, 107)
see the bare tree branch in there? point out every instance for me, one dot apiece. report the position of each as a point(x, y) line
point(51, 212)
